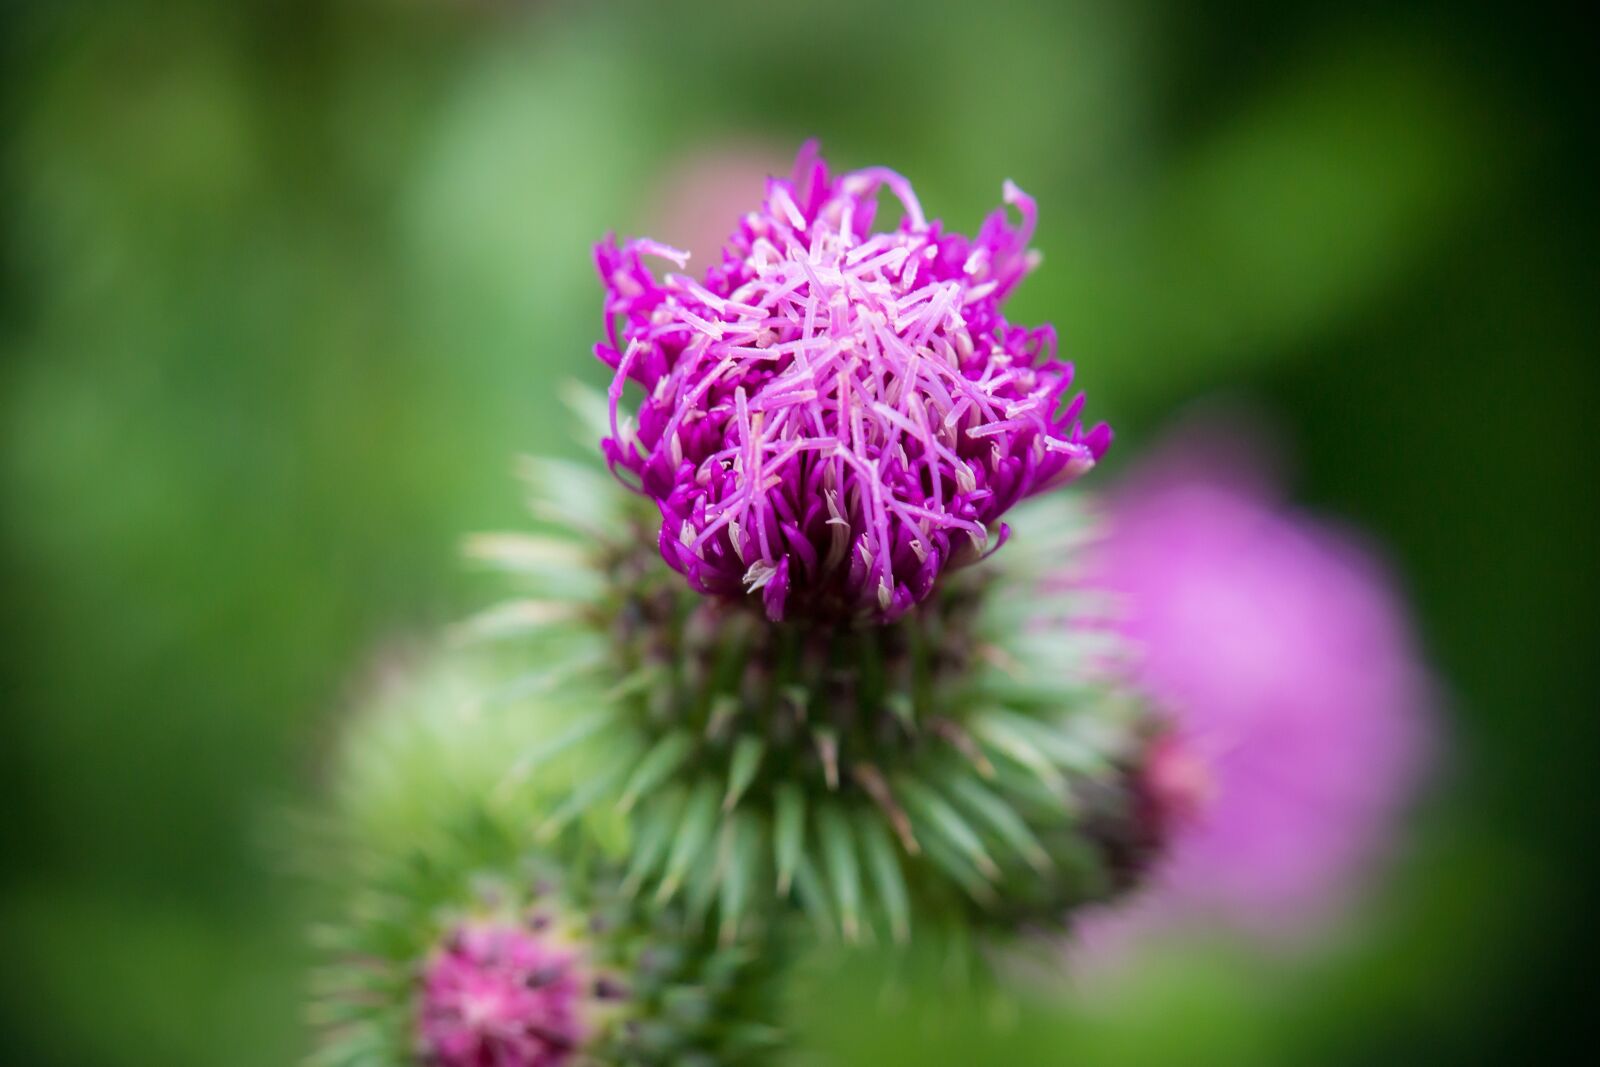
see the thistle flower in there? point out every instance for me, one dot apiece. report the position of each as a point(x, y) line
point(497, 994)
point(1281, 655)
point(960, 768)
point(834, 417)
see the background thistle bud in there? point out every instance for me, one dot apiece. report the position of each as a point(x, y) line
point(501, 992)
point(453, 943)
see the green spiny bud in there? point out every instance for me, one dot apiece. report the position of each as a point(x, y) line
point(456, 940)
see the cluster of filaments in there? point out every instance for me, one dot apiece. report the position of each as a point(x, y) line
point(834, 417)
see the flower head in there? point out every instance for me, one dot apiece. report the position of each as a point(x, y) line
point(833, 416)
point(1297, 705)
point(499, 994)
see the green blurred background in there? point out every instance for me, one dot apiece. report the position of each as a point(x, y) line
point(286, 285)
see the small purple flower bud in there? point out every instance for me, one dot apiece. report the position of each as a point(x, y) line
point(832, 416)
point(500, 995)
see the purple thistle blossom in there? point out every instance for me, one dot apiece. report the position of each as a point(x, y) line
point(497, 994)
point(832, 416)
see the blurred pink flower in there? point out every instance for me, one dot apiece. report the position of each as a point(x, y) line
point(1298, 708)
point(700, 199)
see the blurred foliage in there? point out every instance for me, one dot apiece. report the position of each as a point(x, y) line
point(286, 285)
